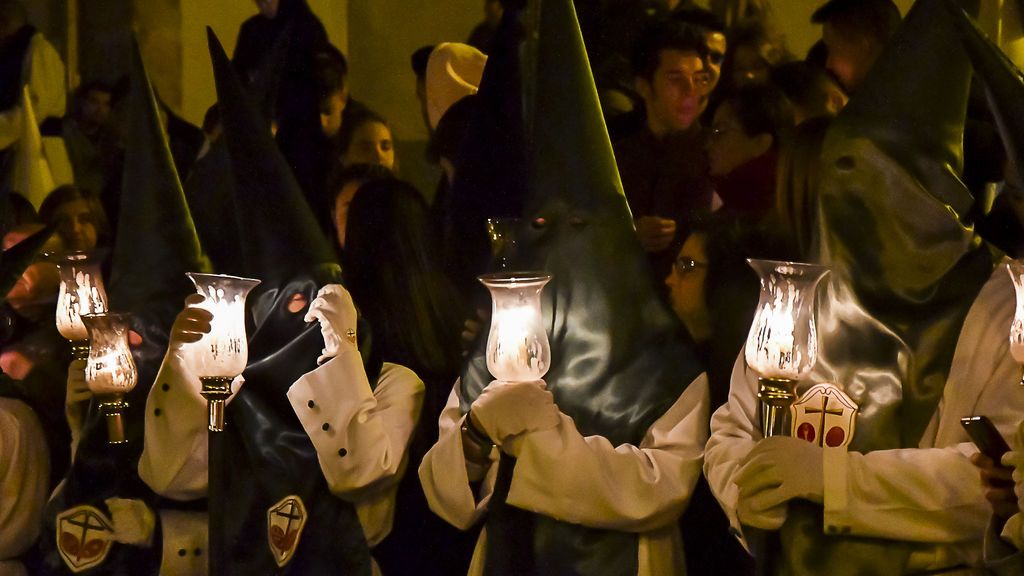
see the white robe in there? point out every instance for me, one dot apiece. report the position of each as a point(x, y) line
point(24, 481)
point(583, 480)
point(930, 494)
point(374, 428)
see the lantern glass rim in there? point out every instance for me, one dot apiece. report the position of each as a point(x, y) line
point(513, 278)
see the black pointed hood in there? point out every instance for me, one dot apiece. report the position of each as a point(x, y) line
point(156, 241)
point(280, 235)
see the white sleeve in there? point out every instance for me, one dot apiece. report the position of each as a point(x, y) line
point(587, 481)
point(443, 473)
point(24, 477)
point(734, 433)
point(360, 435)
point(933, 492)
point(175, 452)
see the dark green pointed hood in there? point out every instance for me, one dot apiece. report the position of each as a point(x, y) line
point(906, 265)
point(280, 235)
point(156, 241)
point(609, 330)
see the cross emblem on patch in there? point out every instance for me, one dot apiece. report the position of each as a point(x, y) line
point(285, 521)
point(84, 537)
point(824, 415)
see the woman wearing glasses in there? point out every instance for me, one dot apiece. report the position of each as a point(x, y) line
point(713, 292)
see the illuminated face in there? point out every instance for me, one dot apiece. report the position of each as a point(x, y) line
point(849, 57)
point(729, 146)
point(371, 144)
point(686, 286)
point(76, 225)
point(677, 93)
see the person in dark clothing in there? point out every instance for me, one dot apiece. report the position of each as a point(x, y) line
point(743, 149)
point(714, 292)
point(662, 166)
point(390, 265)
point(284, 55)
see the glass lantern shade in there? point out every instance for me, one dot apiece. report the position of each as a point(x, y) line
point(782, 343)
point(223, 352)
point(110, 370)
point(218, 357)
point(517, 343)
point(1016, 270)
point(81, 293)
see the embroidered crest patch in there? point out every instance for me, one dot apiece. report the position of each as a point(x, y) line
point(84, 537)
point(825, 416)
point(285, 521)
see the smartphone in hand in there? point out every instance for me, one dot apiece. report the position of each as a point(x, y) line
point(986, 437)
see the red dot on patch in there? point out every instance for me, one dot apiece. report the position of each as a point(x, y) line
point(805, 432)
point(835, 437)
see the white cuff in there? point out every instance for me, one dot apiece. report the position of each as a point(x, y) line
point(837, 496)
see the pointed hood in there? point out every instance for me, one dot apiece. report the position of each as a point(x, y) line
point(32, 176)
point(1002, 79)
point(608, 328)
point(281, 238)
point(17, 258)
point(618, 358)
point(905, 264)
point(156, 241)
point(919, 123)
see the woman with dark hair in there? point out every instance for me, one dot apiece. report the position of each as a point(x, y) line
point(390, 267)
point(366, 139)
point(80, 219)
point(714, 291)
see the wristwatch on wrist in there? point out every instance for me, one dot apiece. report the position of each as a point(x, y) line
point(480, 445)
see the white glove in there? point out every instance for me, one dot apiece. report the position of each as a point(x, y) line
point(133, 521)
point(334, 309)
point(1013, 530)
point(777, 470)
point(505, 409)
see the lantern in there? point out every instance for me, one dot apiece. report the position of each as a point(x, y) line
point(81, 293)
point(222, 354)
point(782, 346)
point(1016, 270)
point(109, 370)
point(517, 344)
